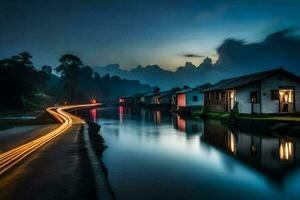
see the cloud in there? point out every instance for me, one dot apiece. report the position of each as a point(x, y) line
point(234, 58)
point(277, 49)
point(190, 55)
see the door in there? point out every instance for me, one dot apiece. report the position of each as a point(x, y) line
point(286, 100)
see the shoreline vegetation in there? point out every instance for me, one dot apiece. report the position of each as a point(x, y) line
point(258, 122)
point(98, 145)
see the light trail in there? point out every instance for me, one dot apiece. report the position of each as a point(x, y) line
point(13, 156)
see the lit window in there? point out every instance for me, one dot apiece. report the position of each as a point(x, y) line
point(254, 97)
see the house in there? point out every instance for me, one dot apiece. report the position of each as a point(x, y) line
point(165, 98)
point(160, 98)
point(190, 97)
point(150, 99)
point(125, 100)
point(273, 91)
point(131, 100)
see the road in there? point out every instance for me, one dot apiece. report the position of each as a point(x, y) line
point(52, 166)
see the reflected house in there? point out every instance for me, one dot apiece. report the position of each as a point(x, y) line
point(187, 125)
point(125, 112)
point(219, 136)
point(156, 116)
point(273, 91)
point(274, 155)
point(189, 98)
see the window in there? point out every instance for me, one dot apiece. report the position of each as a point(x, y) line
point(274, 94)
point(195, 98)
point(254, 97)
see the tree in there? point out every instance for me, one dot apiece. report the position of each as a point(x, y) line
point(156, 90)
point(70, 68)
point(19, 81)
point(47, 70)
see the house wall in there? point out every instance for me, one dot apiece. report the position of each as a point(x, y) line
point(243, 96)
point(166, 100)
point(189, 98)
point(154, 100)
point(181, 102)
point(274, 82)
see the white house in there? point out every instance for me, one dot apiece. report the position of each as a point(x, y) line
point(273, 91)
point(190, 97)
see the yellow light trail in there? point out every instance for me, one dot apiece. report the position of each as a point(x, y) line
point(13, 156)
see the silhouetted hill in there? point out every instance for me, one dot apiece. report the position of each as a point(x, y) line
point(156, 76)
point(236, 57)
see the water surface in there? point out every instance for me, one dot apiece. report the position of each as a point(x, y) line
point(155, 155)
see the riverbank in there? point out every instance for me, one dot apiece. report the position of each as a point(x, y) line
point(95, 146)
point(258, 122)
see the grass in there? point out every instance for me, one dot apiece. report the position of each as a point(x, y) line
point(277, 118)
point(42, 117)
point(256, 117)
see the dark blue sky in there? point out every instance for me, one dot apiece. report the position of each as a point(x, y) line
point(136, 32)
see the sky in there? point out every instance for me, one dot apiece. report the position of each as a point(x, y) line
point(137, 32)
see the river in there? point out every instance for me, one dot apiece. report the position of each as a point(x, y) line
point(156, 155)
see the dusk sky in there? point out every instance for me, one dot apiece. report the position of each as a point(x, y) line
point(135, 33)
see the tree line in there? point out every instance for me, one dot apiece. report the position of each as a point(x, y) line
point(23, 86)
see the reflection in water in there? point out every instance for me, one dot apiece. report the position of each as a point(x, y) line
point(181, 123)
point(121, 114)
point(156, 155)
point(187, 125)
point(286, 150)
point(267, 153)
point(232, 143)
point(157, 117)
point(93, 114)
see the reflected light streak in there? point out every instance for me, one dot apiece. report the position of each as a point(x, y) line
point(121, 114)
point(286, 150)
point(93, 115)
point(12, 157)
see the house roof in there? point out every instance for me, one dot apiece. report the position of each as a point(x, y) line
point(150, 94)
point(200, 88)
point(169, 92)
point(241, 81)
point(164, 93)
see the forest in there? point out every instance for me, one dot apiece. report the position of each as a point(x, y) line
point(25, 87)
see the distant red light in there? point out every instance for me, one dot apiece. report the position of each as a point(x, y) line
point(93, 101)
